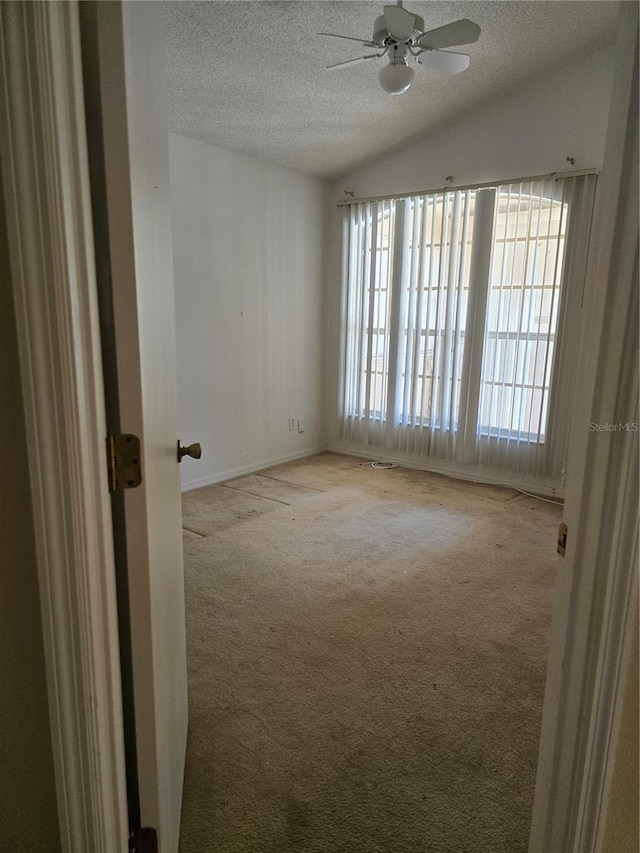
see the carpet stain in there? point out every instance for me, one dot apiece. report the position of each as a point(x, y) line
point(298, 818)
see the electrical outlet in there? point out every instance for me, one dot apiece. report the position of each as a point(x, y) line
point(300, 424)
point(292, 424)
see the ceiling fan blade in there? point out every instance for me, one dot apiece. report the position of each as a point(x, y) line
point(363, 42)
point(444, 61)
point(463, 31)
point(399, 22)
point(355, 61)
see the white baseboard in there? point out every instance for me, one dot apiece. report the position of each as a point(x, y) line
point(376, 454)
point(447, 469)
point(251, 468)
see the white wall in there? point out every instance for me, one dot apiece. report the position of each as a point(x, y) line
point(528, 132)
point(248, 249)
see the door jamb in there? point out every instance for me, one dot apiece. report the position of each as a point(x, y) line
point(596, 597)
point(45, 176)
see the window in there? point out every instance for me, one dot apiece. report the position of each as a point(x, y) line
point(434, 307)
point(452, 304)
point(522, 314)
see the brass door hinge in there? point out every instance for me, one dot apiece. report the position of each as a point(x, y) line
point(123, 462)
point(562, 539)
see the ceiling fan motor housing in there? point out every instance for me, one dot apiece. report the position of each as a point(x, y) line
point(381, 34)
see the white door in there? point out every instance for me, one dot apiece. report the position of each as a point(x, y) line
point(125, 86)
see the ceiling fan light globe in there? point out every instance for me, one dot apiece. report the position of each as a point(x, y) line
point(396, 79)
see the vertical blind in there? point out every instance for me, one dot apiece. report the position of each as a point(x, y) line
point(459, 315)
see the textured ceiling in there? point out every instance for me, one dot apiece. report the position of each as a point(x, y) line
point(250, 76)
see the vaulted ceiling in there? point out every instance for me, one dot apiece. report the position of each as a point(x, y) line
point(251, 76)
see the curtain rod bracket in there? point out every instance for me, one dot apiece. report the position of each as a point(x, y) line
point(553, 176)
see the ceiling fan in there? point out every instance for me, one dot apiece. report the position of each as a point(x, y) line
point(399, 35)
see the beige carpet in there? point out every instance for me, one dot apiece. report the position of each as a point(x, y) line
point(367, 653)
